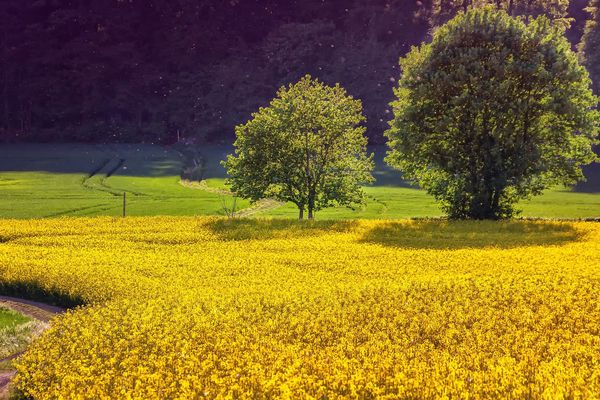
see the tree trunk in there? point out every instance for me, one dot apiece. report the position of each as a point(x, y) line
point(300, 212)
point(496, 201)
point(311, 205)
point(486, 203)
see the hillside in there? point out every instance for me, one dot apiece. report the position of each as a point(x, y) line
point(166, 71)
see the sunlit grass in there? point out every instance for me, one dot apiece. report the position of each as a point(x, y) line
point(56, 180)
point(16, 332)
point(10, 318)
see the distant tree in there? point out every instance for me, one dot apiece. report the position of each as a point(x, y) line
point(589, 48)
point(307, 147)
point(492, 111)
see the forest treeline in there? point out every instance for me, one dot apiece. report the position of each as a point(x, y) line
point(162, 71)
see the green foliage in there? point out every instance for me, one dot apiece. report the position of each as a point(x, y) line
point(492, 111)
point(557, 10)
point(307, 147)
point(16, 332)
point(589, 48)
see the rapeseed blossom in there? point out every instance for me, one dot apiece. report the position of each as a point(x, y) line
point(184, 308)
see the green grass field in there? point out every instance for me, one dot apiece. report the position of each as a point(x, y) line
point(10, 318)
point(16, 332)
point(40, 181)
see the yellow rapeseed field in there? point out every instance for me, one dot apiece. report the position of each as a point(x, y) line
point(182, 308)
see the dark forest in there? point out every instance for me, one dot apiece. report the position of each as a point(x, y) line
point(190, 70)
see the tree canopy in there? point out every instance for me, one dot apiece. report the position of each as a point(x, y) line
point(155, 71)
point(308, 147)
point(589, 48)
point(492, 111)
point(557, 10)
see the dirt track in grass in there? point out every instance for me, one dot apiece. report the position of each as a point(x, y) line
point(33, 309)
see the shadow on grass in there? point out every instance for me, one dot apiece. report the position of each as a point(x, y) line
point(592, 183)
point(442, 234)
point(260, 229)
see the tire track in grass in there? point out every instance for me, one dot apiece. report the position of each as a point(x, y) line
point(107, 168)
point(192, 177)
point(33, 309)
point(118, 164)
point(96, 207)
point(5, 378)
point(98, 180)
point(87, 183)
point(383, 204)
point(262, 205)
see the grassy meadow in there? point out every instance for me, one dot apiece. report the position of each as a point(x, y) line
point(41, 181)
point(188, 307)
point(16, 332)
point(10, 318)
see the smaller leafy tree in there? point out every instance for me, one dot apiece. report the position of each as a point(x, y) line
point(308, 147)
point(493, 110)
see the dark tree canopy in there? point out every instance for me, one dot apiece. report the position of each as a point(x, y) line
point(308, 148)
point(589, 49)
point(139, 70)
point(492, 111)
point(557, 10)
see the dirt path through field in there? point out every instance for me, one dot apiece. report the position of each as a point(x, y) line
point(5, 378)
point(260, 206)
point(33, 309)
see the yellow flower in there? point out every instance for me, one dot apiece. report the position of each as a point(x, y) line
point(180, 308)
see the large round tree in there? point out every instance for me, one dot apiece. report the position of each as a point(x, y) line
point(490, 112)
point(557, 10)
point(589, 48)
point(308, 147)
